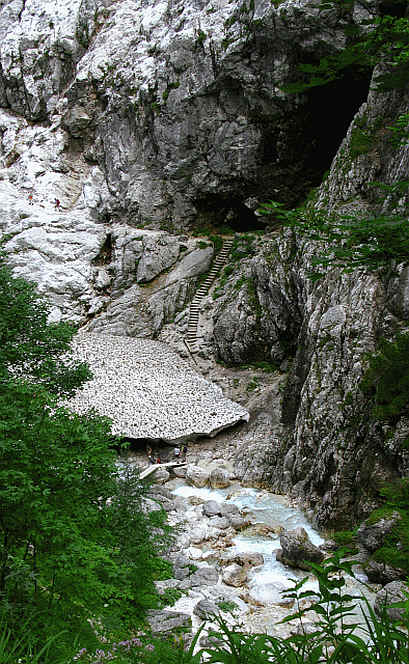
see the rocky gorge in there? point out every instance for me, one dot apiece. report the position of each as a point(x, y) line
point(136, 136)
point(238, 552)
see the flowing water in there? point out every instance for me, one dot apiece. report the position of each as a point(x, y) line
point(266, 582)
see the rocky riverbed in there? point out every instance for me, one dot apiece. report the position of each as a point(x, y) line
point(230, 541)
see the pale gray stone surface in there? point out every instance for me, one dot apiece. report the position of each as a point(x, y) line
point(148, 391)
point(234, 575)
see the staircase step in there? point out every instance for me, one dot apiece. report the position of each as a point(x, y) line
point(195, 305)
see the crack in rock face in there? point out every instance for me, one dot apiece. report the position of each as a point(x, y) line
point(149, 392)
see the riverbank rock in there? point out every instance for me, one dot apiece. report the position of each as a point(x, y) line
point(396, 591)
point(243, 558)
point(371, 534)
point(166, 621)
point(234, 575)
point(205, 609)
point(297, 549)
point(197, 476)
point(378, 572)
point(219, 478)
point(206, 575)
point(212, 508)
point(161, 475)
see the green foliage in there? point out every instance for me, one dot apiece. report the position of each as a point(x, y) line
point(386, 379)
point(243, 247)
point(171, 86)
point(30, 348)
point(78, 553)
point(395, 550)
point(252, 385)
point(200, 38)
point(266, 367)
point(349, 241)
point(400, 130)
point(346, 538)
point(336, 639)
point(381, 39)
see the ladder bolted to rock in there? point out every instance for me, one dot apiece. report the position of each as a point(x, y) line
point(194, 309)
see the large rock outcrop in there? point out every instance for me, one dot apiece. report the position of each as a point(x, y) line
point(145, 119)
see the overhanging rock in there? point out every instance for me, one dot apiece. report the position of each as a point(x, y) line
point(149, 392)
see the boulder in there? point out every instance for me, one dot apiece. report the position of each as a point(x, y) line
point(194, 553)
point(204, 576)
point(161, 475)
point(250, 559)
point(371, 535)
point(237, 521)
point(219, 522)
point(179, 471)
point(396, 591)
point(243, 558)
point(219, 478)
point(212, 508)
point(378, 572)
point(297, 549)
point(199, 534)
point(205, 609)
point(166, 621)
point(162, 586)
point(197, 476)
point(229, 509)
point(234, 575)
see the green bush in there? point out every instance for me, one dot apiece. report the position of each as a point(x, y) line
point(386, 379)
point(336, 639)
point(395, 550)
point(78, 553)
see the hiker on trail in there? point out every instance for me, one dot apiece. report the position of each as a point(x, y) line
point(149, 454)
point(57, 204)
point(176, 452)
point(184, 451)
point(158, 460)
point(30, 199)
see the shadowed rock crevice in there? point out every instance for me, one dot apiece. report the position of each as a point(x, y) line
point(219, 210)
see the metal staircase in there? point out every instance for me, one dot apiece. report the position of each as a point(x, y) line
point(194, 309)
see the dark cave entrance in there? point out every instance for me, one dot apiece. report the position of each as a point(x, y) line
point(395, 8)
point(104, 256)
point(226, 213)
point(328, 113)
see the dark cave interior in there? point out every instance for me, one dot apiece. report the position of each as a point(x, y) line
point(317, 131)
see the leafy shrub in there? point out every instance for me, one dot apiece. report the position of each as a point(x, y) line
point(348, 241)
point(386, 379)
point(395, 550)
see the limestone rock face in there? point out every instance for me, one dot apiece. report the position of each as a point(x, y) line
point(297, 549)
point(205, 609)
point(165, 621)
point(381, 573)
point(146, 118)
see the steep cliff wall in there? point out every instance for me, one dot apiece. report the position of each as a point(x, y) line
point(147, 120)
